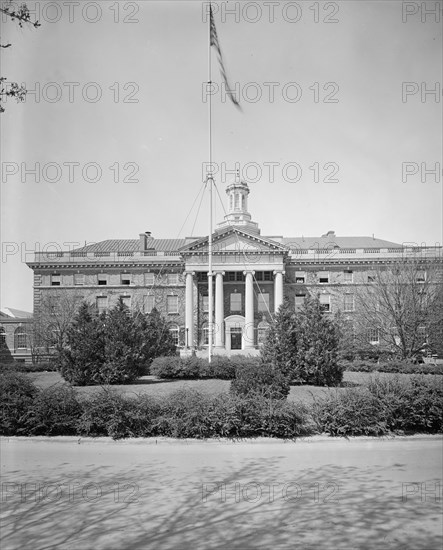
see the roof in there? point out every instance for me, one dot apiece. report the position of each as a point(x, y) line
point(12, 313)
point(221, 234)
point(330, 240)
point(133, 245)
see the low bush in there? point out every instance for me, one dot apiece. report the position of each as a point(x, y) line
point(108, 413)
point(17, 394)
point(188, 413)
point(385, 406)
point(400, 367)
point(54, 411)
point(354, 411)
point(192, 367)
point(260, 379)
point(411, 405)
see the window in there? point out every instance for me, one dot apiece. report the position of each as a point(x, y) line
point(149, 279)
point(237, 200)
point(175, 333)
point(172, 278)
point(325, 302)
point(20, 338)
point(236, 276)
point(126, 300)
point(235, 301)
point(2, 338)
point(371, 279)
point(102, 279)
point(205, 334)
point(148, 303)
point(299, 301)
point(263, 302)
point(349, 302)
point(421, 277)
point(79, 279)
point(323, 278)
point(348, 276)
point(102, 303)
point(125, 278)
point(373, 336)
point(262, 332)
point(349, 329)
point(205, 303)
point(55, 280)
point(172, 304)
point(300, 280)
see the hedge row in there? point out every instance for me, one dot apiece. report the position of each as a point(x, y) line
point(43, 366)
point(394, 367)
point(385, 406)
point(192, 367)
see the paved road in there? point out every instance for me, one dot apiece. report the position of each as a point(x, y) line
point(316, 494)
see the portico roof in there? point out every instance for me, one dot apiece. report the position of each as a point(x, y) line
point(232, 239)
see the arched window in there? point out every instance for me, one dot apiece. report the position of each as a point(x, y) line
point(20, 338)
point(175, 333)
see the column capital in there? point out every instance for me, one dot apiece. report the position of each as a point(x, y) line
point(279, 272)
point(189, 273)
point(250, 271)
point(222, 273)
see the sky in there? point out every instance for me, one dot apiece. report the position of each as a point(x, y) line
point(339, 127)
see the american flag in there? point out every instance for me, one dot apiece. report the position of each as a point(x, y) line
point(216, 43)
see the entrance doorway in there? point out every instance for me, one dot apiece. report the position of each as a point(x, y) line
point(236, 337)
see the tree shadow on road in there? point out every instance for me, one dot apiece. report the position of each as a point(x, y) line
point(248, 506)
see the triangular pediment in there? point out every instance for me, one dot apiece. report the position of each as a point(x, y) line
point(233, 240)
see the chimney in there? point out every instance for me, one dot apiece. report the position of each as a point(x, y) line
point(144, 240)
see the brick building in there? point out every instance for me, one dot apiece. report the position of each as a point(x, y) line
point(15, 335)
point(251, 275)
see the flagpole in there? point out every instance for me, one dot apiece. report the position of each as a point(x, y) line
point(209, 181)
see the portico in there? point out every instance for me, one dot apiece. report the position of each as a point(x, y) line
point(247, 277)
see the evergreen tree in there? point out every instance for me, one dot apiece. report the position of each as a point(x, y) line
point(280, 346)
point(304, 345)
point(157, 339)
point(113, 348)
point(124, 360)
point(84, 350)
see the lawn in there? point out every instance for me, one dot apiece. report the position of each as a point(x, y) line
point(150, 385)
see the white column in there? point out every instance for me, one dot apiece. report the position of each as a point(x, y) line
point(189, 318)
point(248, 332)
point(278, 289)
point(219, 309)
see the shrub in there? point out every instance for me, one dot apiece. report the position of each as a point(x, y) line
point(262, 379)
point(107, 413)
point(54, 411)
point(354, 411)
point(403, 367)
point(304, 345)
point(189, 413)
point(221, 367)
point(410, 405)
point(17, 393)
